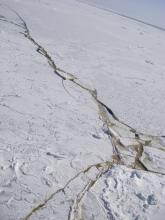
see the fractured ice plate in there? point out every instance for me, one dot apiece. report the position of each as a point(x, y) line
point(153, 159)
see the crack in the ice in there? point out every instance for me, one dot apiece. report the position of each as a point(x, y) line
point(112, 123)
point(75, 209)
point(62, 189)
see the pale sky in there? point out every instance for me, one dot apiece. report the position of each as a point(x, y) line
point(151, 11)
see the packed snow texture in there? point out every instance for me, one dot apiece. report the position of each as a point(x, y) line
point(56, 152)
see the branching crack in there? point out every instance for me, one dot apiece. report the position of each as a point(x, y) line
point(82, 193)
point(115, 129)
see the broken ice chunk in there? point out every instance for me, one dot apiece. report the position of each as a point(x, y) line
point(153, 159)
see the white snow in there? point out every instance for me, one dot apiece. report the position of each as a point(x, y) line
point(51, 130)
point(129, 194)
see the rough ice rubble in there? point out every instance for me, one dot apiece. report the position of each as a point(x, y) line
point(132, 194)
point(126, 194)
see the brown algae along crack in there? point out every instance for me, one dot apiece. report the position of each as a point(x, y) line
point(128, 144)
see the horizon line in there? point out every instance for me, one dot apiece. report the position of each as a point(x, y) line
point(123, 15)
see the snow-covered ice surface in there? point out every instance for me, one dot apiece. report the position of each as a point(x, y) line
point(64, 154)
point(130, 194)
